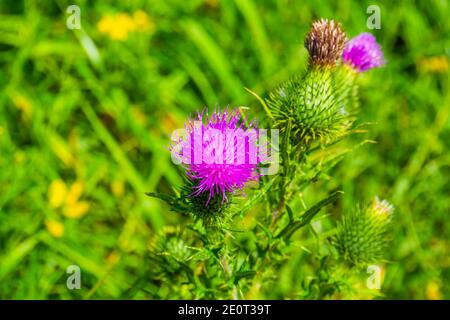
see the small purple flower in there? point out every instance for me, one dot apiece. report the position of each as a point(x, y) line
point(221, 155)
point(363, 53)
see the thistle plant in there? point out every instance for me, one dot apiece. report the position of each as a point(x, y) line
point(310, 104)
point(362, 235)
point(214, 166)
point(224, 185)
point(218, 161)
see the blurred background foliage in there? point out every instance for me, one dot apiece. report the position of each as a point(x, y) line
point(86, 116)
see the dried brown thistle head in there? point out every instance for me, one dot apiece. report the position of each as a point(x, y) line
point(325, 42)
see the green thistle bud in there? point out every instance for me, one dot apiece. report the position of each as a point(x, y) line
point(347, 97)
point(317, 104)
point(320, 114)
point(362, 235)
point(170, 241)
point(170, 250)
point(211, 211)
point(381, 210)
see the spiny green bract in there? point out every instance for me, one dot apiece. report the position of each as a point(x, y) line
point(347, 97)
point(319, 106)
point(170, 250)
point(362, 235)
point(211, 213)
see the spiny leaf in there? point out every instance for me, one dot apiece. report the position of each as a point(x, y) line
point(306, 218)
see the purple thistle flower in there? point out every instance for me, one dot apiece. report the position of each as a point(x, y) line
point(221, 155)
point(363, 53)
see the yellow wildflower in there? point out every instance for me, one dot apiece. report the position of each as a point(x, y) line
point(433, 291)
point(55, 228)
point(75, 191)
point(118, 26)
point(60, 196)
point(57, 193)
point(76, 210)
point(437, 64)
point(112, 28)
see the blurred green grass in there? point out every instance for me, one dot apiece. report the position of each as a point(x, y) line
point(104, 121)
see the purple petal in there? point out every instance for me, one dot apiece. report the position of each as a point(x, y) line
point(363, 53)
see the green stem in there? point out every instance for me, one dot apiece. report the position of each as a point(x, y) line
point(306, 218)
point(286, 170)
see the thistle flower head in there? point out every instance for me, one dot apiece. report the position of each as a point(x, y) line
point(325, 42)
point(221, 154)
point(315, 105)
point(169, 247)
point(362, 236)
point(381, 209)
point(363, 53)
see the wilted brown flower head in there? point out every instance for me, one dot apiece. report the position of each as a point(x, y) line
point(325, 42)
